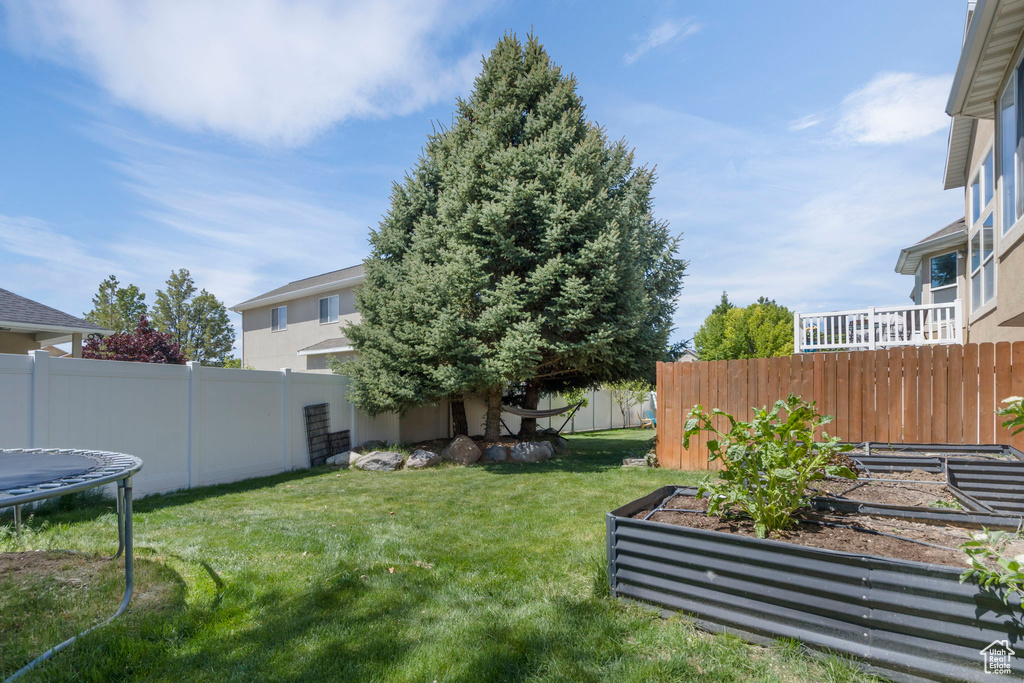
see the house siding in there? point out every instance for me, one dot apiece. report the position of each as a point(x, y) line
point(263, 349)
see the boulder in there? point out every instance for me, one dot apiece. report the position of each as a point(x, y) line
point(548, 430)
point(421, 458)
point(558, 443)
point(340, 459)
point(531, 451)
point(461, 451)
point(495, 453)
point(374, 445)
point(380, 461)
point(634, 462)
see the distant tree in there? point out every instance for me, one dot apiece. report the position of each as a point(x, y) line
point(198, 322)
point(142, 345)
point(629, 393)
point(117, 308)
point(521, 248)
point(761, 330)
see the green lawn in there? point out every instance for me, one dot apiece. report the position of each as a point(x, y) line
point(452, 574)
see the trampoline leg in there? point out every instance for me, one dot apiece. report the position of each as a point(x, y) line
point(17, 520)
point(120, 520)
point(129, 585)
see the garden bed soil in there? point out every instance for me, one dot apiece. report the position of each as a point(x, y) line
point(810, 532)
point(915, 488)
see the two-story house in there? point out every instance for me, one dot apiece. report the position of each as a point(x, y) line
point(969, 275)
point(300, 325)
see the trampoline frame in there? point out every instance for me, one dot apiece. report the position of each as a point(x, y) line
point(115, 468)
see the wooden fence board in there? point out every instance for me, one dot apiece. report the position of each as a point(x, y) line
point(971, 432)
point(895, 399)
point(940, 370)
point(1016, 388)
point(1004, 381)
point(856, 396)
point(986, 392)
point(843, 395)
point(955, 395)
point(910, 359)
point(828, 381)
point(925, 395)
point(881, 412)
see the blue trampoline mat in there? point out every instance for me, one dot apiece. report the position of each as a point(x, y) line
point(28, 469)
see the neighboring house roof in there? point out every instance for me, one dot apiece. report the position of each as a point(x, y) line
point(336, 345)
point(948, 237)
point(346, 277)
point(20, 314)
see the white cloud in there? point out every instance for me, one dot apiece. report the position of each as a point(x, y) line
point(804, 122)
point(662, 34)
point(267, 71)
point(895, 107)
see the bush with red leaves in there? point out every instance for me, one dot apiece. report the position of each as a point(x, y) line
point(144, 345)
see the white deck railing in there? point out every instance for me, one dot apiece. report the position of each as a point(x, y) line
point(878, 327)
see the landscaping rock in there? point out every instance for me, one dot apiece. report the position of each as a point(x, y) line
point(548, 430)
point(340, 459)
point(495, 453)
point(421, 458)
point(531, 451)
point(461, 451)
point(635, 462)
point(375, 445)
point(380, 461)
point(558, 443)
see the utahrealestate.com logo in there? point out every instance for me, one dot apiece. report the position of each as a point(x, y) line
point(998, 657)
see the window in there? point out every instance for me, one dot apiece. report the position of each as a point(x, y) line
point(944, 270)
point(1008, 155)
point(983, 263)
point(279, 318)
point(976, 200)
point(329, 309)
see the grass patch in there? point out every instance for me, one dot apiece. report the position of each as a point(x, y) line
point(483, 573)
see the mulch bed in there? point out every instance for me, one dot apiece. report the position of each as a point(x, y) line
point(810, 532)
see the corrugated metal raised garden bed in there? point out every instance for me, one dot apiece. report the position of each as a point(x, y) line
point(907, 620)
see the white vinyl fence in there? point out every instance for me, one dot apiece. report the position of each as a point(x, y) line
point(193, 425)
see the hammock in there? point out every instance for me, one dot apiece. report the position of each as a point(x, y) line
point(548, 412)
point(540, 414)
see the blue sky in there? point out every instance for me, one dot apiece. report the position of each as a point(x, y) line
point(799, 145)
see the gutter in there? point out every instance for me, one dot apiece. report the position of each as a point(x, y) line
point(6, 326)
point(937, 243)
point(321, 352)
point(298, 293)
point(970, 57)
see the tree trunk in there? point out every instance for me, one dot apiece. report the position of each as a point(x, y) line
point(528, 425)
point(492, 426)
point(460, 425)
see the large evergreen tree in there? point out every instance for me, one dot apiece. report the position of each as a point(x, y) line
point(521, 247)
point(198, 322)
point(117, 308)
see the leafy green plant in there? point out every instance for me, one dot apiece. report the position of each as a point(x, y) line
point(1014, 410)
point(768, 461)
point(949, 504)
point(994, 571)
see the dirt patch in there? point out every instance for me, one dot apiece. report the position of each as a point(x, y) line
point(854, 532)
point(69, 568)
point(916, 488)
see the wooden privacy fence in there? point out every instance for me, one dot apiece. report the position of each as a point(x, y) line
point(940, 394)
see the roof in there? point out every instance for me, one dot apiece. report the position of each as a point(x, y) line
point(957, 150)
point(949, 236)
point(21, 314)
point(335, 345)
point(992, 36)
point(352, 275)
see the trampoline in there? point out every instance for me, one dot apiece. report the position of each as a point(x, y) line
point(30, 475)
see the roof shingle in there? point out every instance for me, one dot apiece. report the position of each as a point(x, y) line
point(18, 309)
point(306, 283)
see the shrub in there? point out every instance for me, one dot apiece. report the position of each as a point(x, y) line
point(1014, 410)
point(768, 461)
point(1001, 575)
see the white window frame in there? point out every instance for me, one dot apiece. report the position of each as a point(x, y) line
point(1006, 236)
point(984, 212)
point(956, 276)
point(337, 309)
point(282, 315)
